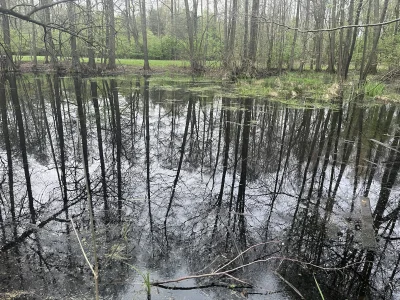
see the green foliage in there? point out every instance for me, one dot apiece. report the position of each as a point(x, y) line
point(389, 50)
point(374, 89)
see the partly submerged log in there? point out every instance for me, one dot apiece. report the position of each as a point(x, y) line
point(367, 228)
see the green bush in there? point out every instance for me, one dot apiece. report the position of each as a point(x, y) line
point(374, 89)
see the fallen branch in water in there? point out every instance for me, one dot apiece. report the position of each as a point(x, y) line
point(220, 272)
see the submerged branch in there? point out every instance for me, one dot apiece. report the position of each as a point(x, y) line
point(218, 272)
point(185, 288)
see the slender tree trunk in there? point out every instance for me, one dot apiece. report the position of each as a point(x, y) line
point(305, 37)
point(373, 69)
point(375, 42)
point(112, 32)
point(246, 33)
point(191, 27)
point(332, 40)
point(90, 46)
point(232, 33)
point(292, 55)
point(252, 52)
point(6, 34)
point(48, 36)
point(74, 53)
point(319, 22)
point(146, 65)
point(34, 42)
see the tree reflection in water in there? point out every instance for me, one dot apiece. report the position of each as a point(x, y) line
point(262, 197)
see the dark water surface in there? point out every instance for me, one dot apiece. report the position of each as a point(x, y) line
point(225, 197)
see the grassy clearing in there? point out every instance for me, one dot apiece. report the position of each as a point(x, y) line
point(124, 62)
point(292, 88)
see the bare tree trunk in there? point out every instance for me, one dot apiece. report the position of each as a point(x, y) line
point(305, 37)
point(375, 42)
point(332, 40)
point(373, 69)
point(6, 34)
point(232, 33)
point(90, 46)
point(319, 15)
point(246, 33)
point(191, 25)
point(112, 32)
point(128, 20)
point(253, 35)
point(74, 53)
point(34, 43)
point(48, 36)
point(146, 65)
point(291, 61)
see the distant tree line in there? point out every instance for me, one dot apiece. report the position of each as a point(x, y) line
point(245, 36)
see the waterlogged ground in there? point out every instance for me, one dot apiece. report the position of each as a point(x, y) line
point(199, 191)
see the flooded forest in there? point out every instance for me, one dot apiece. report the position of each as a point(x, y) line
point(199, 149)
point(201, 195)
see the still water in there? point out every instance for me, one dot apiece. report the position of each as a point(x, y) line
point(196, 193)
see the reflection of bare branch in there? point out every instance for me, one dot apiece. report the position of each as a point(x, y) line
point(36, 9)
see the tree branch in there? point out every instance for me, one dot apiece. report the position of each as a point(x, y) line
point(39, 8)
point(27, 18)
point(329, 29)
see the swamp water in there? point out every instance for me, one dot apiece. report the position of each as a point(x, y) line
point(223, 197)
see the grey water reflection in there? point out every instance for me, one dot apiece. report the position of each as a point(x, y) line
point(203, 194)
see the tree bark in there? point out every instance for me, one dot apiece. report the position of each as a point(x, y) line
point(111, 41)
point(146, 65)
